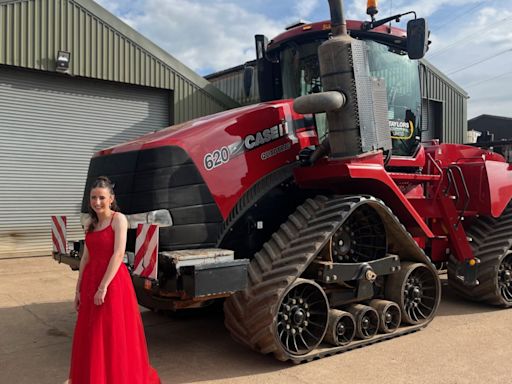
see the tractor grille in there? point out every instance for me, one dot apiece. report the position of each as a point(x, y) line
point(161, 178)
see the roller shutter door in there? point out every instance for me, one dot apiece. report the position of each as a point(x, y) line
point(50, 126)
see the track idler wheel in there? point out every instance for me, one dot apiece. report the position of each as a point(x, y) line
point(367, 320)
point(415, 288)
point(301, 320)
point(390, 315)
point(341, 328)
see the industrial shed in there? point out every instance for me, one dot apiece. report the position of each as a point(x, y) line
point(75, 79)
point(445, 106)
point(499, 126)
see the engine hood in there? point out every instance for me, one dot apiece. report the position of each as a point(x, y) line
point(201, 129)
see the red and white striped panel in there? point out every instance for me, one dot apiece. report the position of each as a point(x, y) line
point(146, 251)
point(59, 234)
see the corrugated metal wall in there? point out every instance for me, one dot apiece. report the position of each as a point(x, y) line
point(102, 47)
point(438, 87)
point(231, 82)
point(50, 126)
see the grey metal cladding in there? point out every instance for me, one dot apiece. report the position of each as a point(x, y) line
point(102, 47)
point(438, 87)
point(380, 109)
point(50, 126)
point(371, 101)
point(231, 82)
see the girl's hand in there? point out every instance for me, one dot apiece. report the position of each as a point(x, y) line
point(77, 301)
point(99, 297)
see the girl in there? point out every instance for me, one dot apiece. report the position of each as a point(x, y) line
point(109, 346)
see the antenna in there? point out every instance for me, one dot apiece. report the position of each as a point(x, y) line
point(390, 12)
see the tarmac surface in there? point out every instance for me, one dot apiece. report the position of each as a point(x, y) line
point(465, 343)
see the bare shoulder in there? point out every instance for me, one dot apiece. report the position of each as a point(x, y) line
point(120, 221)
point(87, 223)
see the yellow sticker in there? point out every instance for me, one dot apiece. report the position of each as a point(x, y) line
point(401, 125)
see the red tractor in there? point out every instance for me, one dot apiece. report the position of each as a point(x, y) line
point(320, 230)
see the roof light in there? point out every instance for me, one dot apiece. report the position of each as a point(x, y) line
point(371, 8)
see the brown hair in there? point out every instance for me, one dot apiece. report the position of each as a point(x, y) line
point(101, 182)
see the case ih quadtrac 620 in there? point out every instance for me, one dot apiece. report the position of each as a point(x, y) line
point(318, 215)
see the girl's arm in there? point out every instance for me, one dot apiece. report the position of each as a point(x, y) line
point(120, 227)
point(83, 262)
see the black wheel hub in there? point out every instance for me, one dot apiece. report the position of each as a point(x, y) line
point(340, 329)
point(302, 318)
point(505, 278)
point(361, 238)
point(419, 294)
point(299, 316)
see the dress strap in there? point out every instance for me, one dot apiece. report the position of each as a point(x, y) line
point(112, 218)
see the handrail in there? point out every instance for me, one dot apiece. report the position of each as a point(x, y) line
point(439, 169)
point(466, 191)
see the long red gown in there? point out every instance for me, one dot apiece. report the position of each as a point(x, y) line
point(109, 346)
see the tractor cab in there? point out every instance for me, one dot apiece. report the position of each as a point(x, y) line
point(290, 63)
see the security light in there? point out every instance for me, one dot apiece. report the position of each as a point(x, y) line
point(62, 62)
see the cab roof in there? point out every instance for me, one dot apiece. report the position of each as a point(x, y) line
point(384, 33)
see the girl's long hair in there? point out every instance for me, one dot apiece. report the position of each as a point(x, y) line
point(101, 182)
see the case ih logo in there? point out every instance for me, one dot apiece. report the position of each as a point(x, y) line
point(224, 154)
point(265, 136)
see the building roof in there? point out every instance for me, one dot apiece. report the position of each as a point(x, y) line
point(102, 46)
point(445, 78)
point(491, 117)
point(500, 126)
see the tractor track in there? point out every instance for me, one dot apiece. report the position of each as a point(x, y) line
point(491, 243)
point(249, 314)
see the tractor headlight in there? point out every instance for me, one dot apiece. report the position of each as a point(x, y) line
point(160, 217)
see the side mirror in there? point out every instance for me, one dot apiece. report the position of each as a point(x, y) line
point(417, 38)
point(248, 74)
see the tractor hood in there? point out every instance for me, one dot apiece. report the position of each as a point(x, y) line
point(203, 130)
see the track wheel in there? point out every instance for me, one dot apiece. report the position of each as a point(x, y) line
point(505, 279)
point(416, 290)
point(301, 320)
point(492, 245)
point(367, 320)
point(341, 328)
point(390, 315)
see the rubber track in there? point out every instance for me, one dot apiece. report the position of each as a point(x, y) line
point(249, 314)
point(491, 240)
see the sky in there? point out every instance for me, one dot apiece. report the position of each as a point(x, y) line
point(471, 39)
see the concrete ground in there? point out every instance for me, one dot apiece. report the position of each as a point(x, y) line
point(466, 342)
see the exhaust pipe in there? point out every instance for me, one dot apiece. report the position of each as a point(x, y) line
point(338, 23)
point(337, 73)
point(351, 117)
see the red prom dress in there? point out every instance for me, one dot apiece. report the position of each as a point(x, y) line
point(109, 346)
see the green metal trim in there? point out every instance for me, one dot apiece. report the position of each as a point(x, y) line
point(155, 51)
point(96, 27)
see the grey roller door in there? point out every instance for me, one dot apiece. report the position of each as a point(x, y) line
point(50, 125)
